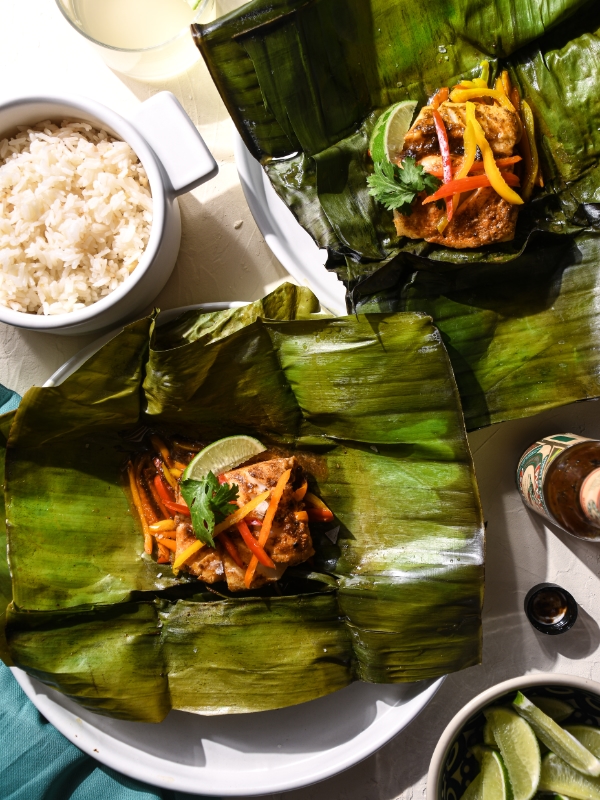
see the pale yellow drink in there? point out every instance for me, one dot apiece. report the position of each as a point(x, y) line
point(133, 24)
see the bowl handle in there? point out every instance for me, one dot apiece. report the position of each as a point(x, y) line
point(177, 144)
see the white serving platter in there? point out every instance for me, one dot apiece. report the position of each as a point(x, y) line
point(290, 243)
point(241, 754)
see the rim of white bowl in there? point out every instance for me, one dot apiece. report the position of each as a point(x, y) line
point(115, 124)
point(457, 722)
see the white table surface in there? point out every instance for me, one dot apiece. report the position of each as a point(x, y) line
point(223, 260)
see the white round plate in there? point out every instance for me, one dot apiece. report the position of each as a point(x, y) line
point(290, 243)
point(241, 754)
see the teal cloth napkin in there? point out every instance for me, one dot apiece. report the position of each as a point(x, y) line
point(36, 761)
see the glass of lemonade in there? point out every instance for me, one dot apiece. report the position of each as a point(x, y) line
point(147, 39)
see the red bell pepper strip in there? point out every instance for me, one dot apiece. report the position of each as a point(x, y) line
point(166, 495)
point(467, 185)
point(253, 545)
point(442, 135)
point(178, 508)
point(440, 97)
point(321, 514)
point(231, 549)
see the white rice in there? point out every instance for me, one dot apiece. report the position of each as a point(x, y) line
point(75, 217)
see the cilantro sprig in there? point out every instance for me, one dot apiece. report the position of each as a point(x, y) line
point(209, 503)
point(396, 187)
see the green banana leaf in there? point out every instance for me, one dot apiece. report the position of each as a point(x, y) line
point(96, 619)
point(306, 81)
point(5, 582)
point(511, 359)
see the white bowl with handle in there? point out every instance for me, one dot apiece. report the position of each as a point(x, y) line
point(176, 160)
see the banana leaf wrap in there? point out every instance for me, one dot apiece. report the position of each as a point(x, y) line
point(306, 81)
point(369, 402)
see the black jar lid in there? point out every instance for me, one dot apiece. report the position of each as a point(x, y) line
point(550, 608)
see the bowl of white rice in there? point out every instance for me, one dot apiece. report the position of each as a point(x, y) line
point(89, 220)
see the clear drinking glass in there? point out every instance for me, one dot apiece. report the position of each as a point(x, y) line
point(146, 39)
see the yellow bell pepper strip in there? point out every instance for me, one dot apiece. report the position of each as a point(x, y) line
point(162, 469)
point(161, 447)
point(468, 184)
point(254, 547)
point(460, 95)
point(229, 545)
point(533, 162)
point(506, 83)
point(470, 148)
point(175, 472)
point(443, 223)
point(299, 493)
point(315, 501)
point(242, 512)
point(267, 523)
point(138, 505)
point(442, 135)
point(491, 170)
point(163, 526)
point(187, 554)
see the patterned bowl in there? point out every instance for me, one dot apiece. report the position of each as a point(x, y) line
point(453, 767)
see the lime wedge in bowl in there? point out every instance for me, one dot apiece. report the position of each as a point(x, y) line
point(557, 739)
point(519, 748)
point(387, 139)
point(494, 779)
point(588, 736)
point(222, 455)
point(559, 777)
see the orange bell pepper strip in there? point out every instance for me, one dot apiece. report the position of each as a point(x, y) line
point(301, 516)
point(267, 523)
point(168, 543)
point(131, 473)
point(477, 167)
point(440, 97)
point(254, 547)
point(299, 493)
point(319, 515)
point(442, 135)
point(468, 184)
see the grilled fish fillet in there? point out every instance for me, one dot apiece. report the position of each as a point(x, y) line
point(289, 542)
point(483, 217)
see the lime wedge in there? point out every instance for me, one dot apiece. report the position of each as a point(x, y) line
point(222, 455)
point(387, 139)
point(494, 779)
point(559, 777)
point(519, 748)
point(473, 790)
point(588, 736)
point(557, 739)
point(557, 709)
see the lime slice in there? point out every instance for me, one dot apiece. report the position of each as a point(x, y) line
point(387, 139)
point(519, 748)
point(557, 709)
point(494, 779)
point(557, 739)
point(559, 777)
point(473, 790)
point(588, 736)
point(222, 455)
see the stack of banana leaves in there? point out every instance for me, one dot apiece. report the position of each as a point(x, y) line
point(305, 82)
point(394, 590)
